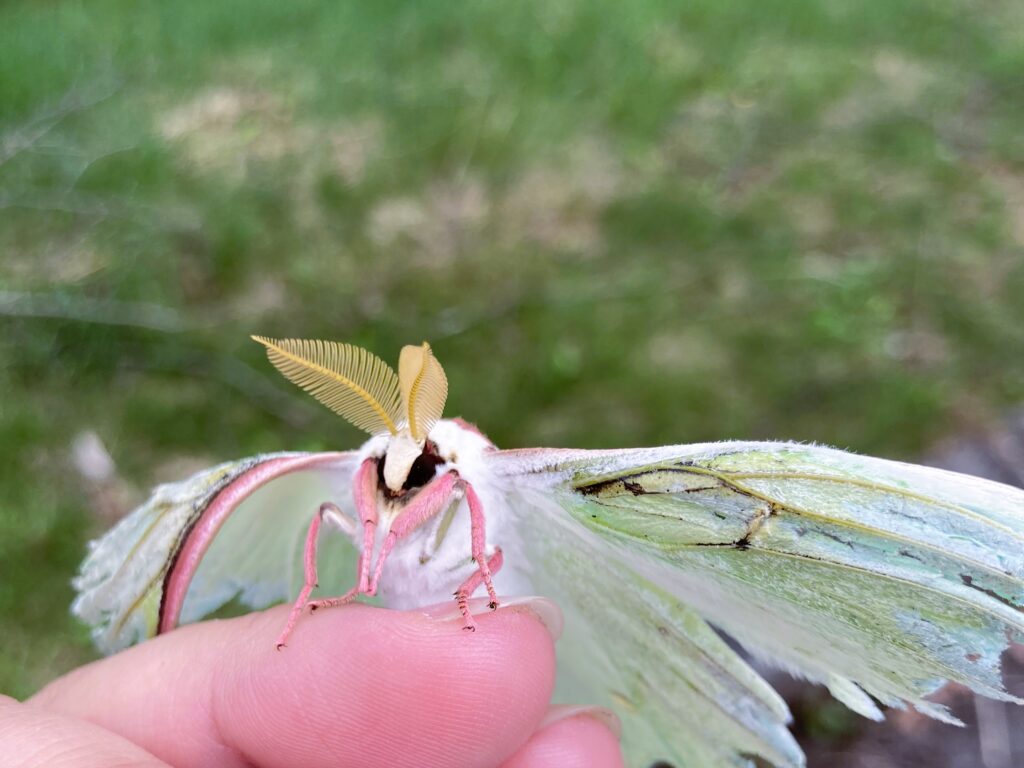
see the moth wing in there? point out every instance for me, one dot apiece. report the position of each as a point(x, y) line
point(683, 695)
point(232, 532)
point(877, 578)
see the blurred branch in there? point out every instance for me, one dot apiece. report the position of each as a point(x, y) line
point(16, 141)
point(289, 407)
point(102, 311)
point(186, 358)
point(81, 205)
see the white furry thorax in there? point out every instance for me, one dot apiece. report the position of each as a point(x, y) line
point(429, 565)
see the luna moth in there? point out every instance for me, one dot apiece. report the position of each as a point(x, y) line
point(880, 580)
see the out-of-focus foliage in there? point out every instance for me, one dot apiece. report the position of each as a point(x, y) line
point(616, 223)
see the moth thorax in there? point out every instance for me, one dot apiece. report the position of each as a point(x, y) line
point(402, 453)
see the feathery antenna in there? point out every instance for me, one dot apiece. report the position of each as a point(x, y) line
point(424, 388)
point(349, 380)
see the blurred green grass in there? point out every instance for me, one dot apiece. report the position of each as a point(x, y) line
point(618, 224)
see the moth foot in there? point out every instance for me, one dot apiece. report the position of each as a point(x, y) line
point(493, 605)
point(279, 646)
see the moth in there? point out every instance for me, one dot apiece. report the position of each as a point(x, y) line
point(880, 580)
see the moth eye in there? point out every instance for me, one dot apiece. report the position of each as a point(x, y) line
point(422, 470)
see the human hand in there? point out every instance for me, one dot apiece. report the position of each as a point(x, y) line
point(358, 686)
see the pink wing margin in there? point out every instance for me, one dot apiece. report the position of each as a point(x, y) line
point(152, 571)
point(209, 522)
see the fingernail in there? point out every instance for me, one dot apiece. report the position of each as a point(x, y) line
point(542, 609)
point(545, 611)
point(606, 717)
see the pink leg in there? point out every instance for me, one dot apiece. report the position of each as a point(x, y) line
point(478, 536)
point(365, 489)
point(433, 499)
point(467, 589)
point(311, 578)
point(334, 602)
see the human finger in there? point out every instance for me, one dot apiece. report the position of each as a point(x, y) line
point(356, 686)
point(31, 737)
point(572, 737)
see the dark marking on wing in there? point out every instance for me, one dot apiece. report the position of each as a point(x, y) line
point(198, 508)
point(633, 483)
point(968, 580)
point(837, 538)
point(635, 488)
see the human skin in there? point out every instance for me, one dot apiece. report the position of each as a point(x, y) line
point(356, 686)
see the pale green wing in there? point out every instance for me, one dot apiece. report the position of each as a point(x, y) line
point(866, 575)
point(682, 694)
point(253, 555)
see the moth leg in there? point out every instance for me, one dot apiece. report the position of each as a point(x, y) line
point(478, 537)
point(333, 602)
point(364, 490)
point(468, 587)
point(310, 563)
point(341, 521)
point(433, 499)
point(365, 479)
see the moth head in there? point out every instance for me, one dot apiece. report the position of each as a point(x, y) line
point(368, 393)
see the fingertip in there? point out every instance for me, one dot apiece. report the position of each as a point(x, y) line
point(396, 688)
point(544, 610)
